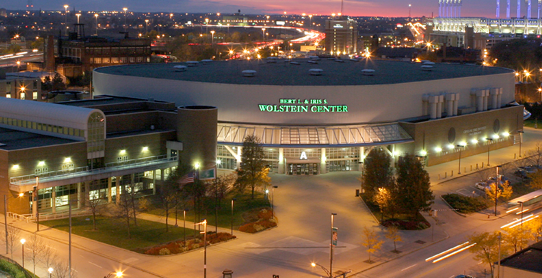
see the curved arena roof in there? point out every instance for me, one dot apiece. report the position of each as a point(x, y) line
point(286, 73)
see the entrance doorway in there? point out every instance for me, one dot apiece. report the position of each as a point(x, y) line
point(303, 169)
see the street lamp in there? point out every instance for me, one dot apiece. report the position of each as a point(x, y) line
point(263, 34)
point(125, 10)
point(22, 247)
point(460, 146)
point(310, 22)
point(36, 201)
point(114, 274)
point(66, 18)
point(489, 140)
point(520, 132)
point(232, 201)
point(204, 223)
point(322, 267)
point(333, 236)
point(273, 200)
point(50, 270)
point(212, 37)
point(96, 16)
point(78, 16)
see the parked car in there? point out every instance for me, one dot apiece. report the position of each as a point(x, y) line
point(482, 185)
point(462, 276)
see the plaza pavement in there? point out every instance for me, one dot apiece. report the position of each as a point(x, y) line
point(303, 206)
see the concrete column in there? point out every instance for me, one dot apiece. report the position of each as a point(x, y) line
point(486, 99)
point(117, 189)
point(53, 200)
point(361, 157)
point(132, 180)
point(109, 190)
point(323, 161)
point(433, 107)
point(449, 106)
point(456, 103)
point(425, 104)
point(239, 152)
point(79, 195)
point(494, 98)
point(499, 98)
point(162, 175)
point(153, 182)
point(479, 101)
point(440, 100)
point(281, 161)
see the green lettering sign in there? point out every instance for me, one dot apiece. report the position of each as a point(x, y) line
point(316, 106)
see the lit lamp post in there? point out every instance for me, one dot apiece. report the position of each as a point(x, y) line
point(96, 16)
point(204, 223)
point(263, 34)
point(310, 22)
point(184, 225)
point(22, 248)
point(331, 244)
point(212, 37)
point(78, 16)
point(232, 201)
point(520, 132)
point(36, 201)
point(125, 10)
point(272, 201)
point(540, 93)
point(50, 270)
point(66, 18)
point(322, 267)
point(460, 146)
point(489, 140)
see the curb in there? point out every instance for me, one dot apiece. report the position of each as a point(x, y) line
point(372, 214)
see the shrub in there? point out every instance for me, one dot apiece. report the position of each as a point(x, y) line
point(248, 228)
point(164, 251)
point(465, 204)
point(11, 269)
point(265, 214)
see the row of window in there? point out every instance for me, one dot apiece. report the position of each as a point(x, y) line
point(22, 95)
point(118, 50)
point(273, 153)
point(44, 127)
point(119, 60)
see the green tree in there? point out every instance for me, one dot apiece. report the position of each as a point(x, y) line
point(498, 190)
point(535, 229)
point(393, 234)
point(413, 186)
point(377, 172)
point(371, 241)
point(486, 248)
point(384, 200)
point(253, 171)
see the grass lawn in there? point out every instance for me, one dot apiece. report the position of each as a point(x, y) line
point(530, 123)
point(113, 231)
point(13, 269)
point(242, 206)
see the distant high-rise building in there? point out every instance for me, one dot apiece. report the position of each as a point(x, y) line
point(341, 36)
point(3, 12)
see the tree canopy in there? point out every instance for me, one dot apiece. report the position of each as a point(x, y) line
point(377, 172)
point(253, 171)
point(413, 185)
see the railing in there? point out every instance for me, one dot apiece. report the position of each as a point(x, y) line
point(63, 215)
point(82, 171)
point(24, 217)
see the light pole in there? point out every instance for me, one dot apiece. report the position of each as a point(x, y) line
point(37, 199)
point(263, 34)
point(540, 93)
point(66, 18)
point(125, 10)
point(78, 16)
point(489, 140)
point(333, 234)
point(96, 16)
point(310, 22)
point(22, 248)
point(232, 201)
point(204, 223)
point(322, 267)
point(50, 270)
point(499, 258)
point(184, 226)
point(272, 201)
point(520, 132)
point(521, 225)
point(460, 146)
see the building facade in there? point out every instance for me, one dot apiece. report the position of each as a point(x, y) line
point(81, 150)
point(314, 124)
point(341, 36)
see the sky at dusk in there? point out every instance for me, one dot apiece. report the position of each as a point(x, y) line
point(475, 8)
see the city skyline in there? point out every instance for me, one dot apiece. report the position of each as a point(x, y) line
point(392, 8)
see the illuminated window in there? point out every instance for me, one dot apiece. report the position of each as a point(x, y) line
point(35, 95)
point(8, 95)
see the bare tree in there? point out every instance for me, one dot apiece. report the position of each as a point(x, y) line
point(13, 236)
point(123, 210)
point(485, 174)
point(48, 255)
point(535, 155)
point(94, 202)
point(61, 269)
point(393, 234)
point(37, 246)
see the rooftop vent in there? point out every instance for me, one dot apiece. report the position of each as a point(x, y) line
point(206, 61)
point(355, 59)
point(316, 72)
point(427, 68)
point(368, 72)
point(249, 73)
point(180, 68)
point(314, 58)
point(339, 60)
point(192, 63)
point(312, 62)
point(425, 62)
point(271, 59)
point(294, 63)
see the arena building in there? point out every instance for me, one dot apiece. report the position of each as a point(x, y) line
point(317, 116)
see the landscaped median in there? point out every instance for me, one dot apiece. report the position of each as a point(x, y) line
point(465, 204)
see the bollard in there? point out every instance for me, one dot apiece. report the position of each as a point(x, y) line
point(452, 174)
point(515, 156)
point(445, 174)
point(482, 165)
point(464, 169)
point(438, 176)
point(476, 166)
point(471, 167)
